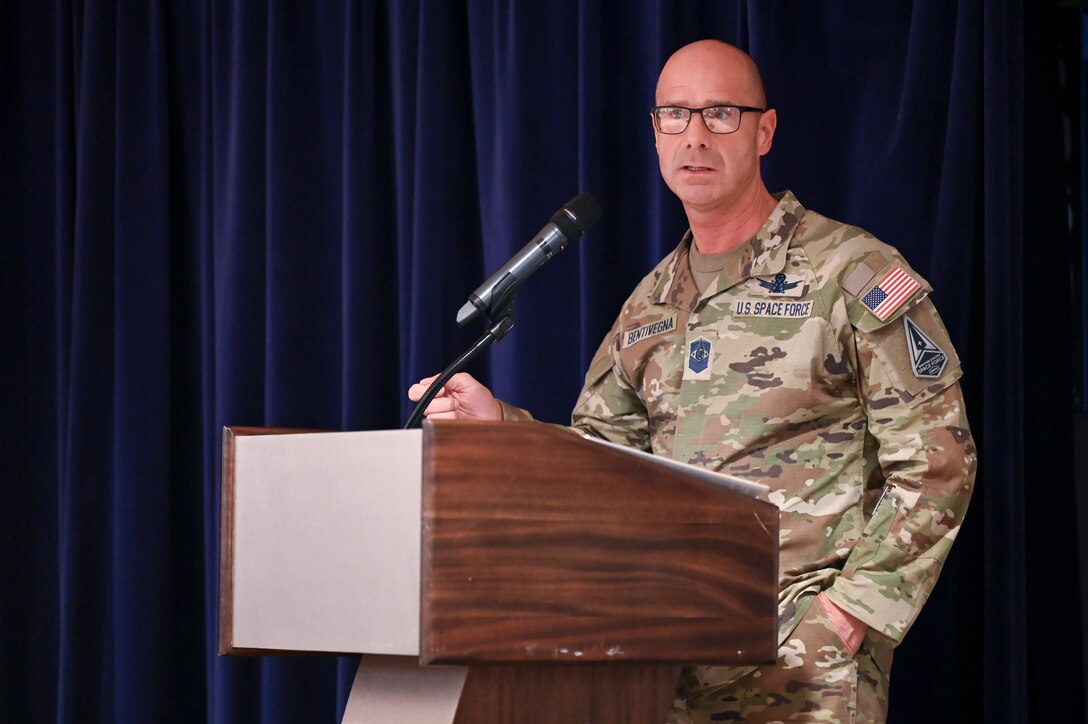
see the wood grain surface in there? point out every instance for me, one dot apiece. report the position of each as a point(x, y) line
point(558, 694)
point(539, 546)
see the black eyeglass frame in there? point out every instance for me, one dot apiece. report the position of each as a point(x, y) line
point(693, 111)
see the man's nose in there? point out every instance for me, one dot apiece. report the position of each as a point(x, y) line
point(697, 133)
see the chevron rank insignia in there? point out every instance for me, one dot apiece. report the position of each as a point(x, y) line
point(699, 355)
point(927, 359)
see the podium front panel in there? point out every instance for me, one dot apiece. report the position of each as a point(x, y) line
point(321, 543)
point(540, 546)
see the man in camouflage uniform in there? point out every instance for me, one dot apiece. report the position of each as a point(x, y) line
point(779, 345)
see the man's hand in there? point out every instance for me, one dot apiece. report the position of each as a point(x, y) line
point(851, 630)
point(462, 398)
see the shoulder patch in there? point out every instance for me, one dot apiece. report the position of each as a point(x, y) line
point(917, 355)
point(888, 294)
point(927, 359)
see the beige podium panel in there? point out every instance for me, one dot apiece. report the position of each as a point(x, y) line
point(321, 553)
point(324, 544)
point(397, 689)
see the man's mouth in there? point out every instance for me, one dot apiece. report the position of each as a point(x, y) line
point(697, 168)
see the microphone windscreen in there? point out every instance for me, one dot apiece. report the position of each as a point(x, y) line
point(577, 215)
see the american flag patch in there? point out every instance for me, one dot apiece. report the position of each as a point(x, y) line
point(890, 292)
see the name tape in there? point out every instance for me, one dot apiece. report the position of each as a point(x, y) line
point(777, 309)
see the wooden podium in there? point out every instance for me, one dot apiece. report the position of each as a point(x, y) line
point(492, 572)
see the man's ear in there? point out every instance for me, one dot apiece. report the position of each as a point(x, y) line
point(768, 122)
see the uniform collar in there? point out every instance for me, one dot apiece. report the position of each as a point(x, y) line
point(762, 255)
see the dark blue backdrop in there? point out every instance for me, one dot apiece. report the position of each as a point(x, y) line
point(259, 212)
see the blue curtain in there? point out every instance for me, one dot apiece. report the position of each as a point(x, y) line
point(262, 212)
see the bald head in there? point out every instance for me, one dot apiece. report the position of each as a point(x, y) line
point(713, 167)
point(705, 58)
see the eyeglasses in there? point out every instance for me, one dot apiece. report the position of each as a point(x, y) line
point(718, 119)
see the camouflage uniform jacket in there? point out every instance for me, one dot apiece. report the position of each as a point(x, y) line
point(779, 372)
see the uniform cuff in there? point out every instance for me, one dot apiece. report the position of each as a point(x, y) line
point(514, 414)
point(885, 617)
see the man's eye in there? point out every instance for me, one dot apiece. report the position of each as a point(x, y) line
point(720, 113)
point(676, 113)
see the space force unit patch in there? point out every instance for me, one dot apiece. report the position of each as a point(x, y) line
point(927, 359)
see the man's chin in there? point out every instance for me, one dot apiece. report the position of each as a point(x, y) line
point(700, 197)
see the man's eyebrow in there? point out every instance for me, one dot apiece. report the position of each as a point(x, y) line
point(708, 104)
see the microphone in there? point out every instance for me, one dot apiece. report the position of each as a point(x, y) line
point(566, 225)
